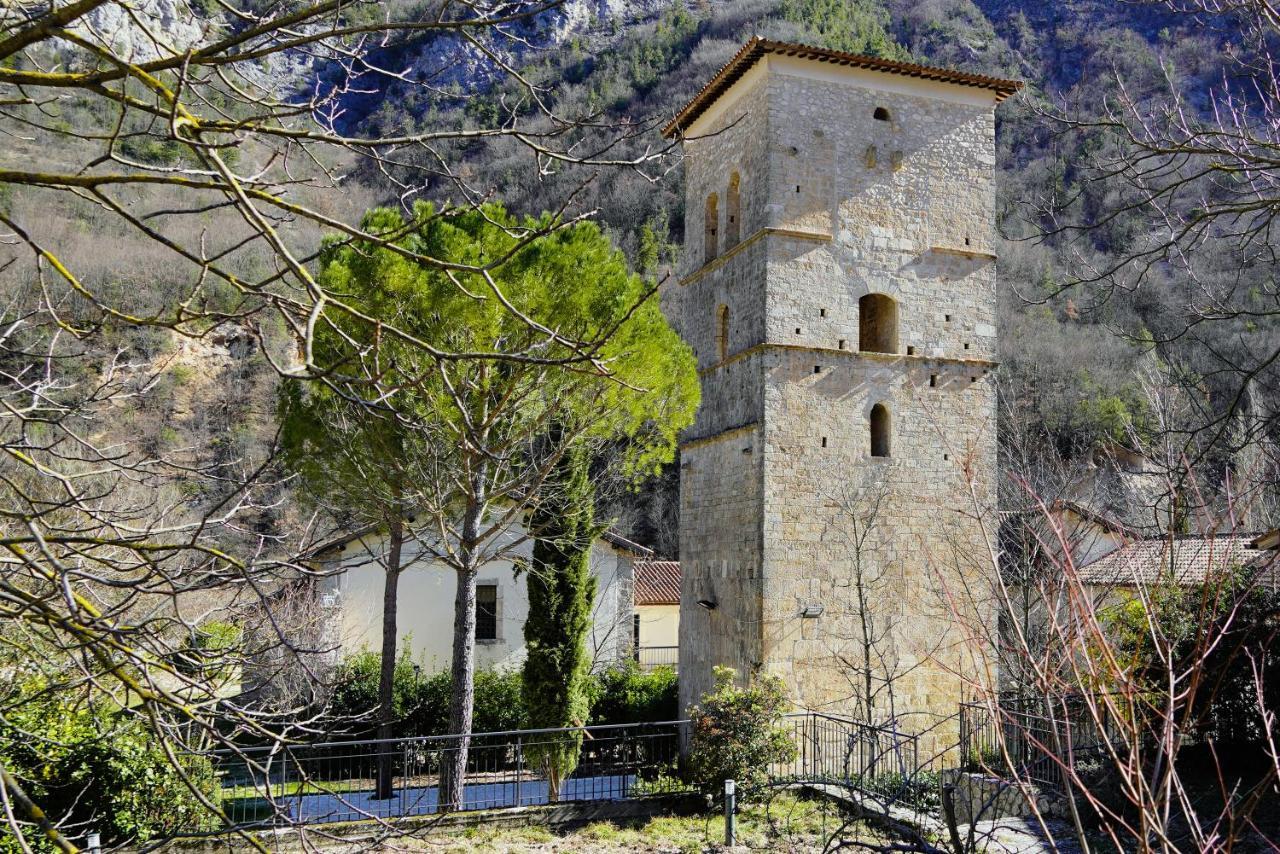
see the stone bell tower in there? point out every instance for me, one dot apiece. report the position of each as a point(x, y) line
point(839, 291)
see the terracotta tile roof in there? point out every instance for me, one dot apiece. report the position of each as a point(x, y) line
point(1188, 560)
point(757, 47)
point(657, 582)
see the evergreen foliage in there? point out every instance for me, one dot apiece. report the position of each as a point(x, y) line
point(571, 280)
point(628, 695)
point(855, 26)
point(91, 766)
point(737, 733)
point(561, 592)
point(1224, 630)
point(618, 695)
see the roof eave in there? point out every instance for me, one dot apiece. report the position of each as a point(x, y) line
point(757, 47)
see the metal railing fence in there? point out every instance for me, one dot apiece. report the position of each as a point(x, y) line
point(1028, 740)
point(649, 657)
point(833, 748)
point(339, 781)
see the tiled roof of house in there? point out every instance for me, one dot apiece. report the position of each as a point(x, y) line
point(1186, 560)
point(657, 582)
point(757, 47)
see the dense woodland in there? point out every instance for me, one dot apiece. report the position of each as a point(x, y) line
point(1085, 359)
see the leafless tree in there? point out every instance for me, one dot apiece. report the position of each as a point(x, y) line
point(205, 150)
point(1105, 683)
point(869, 651)
point(1193, 181)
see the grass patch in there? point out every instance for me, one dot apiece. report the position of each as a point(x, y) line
point(787, 823)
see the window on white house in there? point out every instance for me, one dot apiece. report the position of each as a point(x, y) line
point(486, 612)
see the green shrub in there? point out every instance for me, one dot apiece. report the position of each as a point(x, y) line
point(355, 691)
point(421, 702)
point(210, 650)
point(737, 733)
point(625, 695)
point(619, 695)
point(90, 768)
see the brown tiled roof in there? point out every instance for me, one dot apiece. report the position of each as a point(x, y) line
point(757, 47)
point(657, 582)
point(1186, 560)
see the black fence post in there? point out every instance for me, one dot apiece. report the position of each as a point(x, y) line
point(519, 765)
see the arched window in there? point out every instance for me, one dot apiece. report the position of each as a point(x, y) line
point(710, 224)
point(732, 212)
point(722, 332)
point(881, 114)
point(879, 430)
point(877, 324)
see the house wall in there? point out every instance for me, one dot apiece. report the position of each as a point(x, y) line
point(659, 625)
point(1087, 540)
point(427, 590)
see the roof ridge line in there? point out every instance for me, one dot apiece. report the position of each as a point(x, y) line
point(756, 47)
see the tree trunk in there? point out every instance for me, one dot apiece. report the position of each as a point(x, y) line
point(453, 766)
point(387, 673)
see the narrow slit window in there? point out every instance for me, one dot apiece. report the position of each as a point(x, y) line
point(722, 332)
point(733, 212)
point(879, 430)
point(711, 225)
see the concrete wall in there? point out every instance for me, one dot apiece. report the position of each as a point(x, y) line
point(659, 625)
point(781, 451)
point(426, 598)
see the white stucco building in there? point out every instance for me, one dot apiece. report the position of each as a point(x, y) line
point(353, 583)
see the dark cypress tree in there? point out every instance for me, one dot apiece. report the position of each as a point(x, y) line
point(561, 591)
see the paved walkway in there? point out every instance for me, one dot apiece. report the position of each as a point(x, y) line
point(1019, 836)
point(1001, 836)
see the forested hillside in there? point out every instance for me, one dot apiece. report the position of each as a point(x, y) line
point(1080, 366)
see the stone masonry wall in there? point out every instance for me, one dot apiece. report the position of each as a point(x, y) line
point(720, 475)
point(777, 473)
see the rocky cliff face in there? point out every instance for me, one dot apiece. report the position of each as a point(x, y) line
point(451, 60)
point(141, 30)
